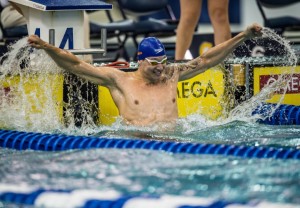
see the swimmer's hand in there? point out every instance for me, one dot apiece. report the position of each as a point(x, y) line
point(254, 30)
point(36, 42)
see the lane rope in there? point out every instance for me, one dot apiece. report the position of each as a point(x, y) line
point(59, 142)
point(87, 198)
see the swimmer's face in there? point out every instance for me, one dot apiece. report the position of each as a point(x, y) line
point(155, 65)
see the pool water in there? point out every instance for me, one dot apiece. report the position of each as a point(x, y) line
point(146, 172)
point(196, 129)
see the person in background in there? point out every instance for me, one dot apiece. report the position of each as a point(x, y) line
point(190, 11)
point(147, 96)
point(15, 24)
point(12, 20)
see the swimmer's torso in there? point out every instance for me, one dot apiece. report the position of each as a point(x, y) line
point(143, 104)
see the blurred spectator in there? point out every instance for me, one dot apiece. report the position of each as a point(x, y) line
point(190, 11)
point(12, 21)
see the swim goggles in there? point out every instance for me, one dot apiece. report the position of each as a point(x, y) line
point(154, 62)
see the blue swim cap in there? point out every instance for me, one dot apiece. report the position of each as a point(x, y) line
point(150, 47)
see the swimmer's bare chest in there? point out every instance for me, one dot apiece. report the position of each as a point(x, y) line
point(148, 103)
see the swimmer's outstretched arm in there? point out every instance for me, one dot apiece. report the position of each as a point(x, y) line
point(68, 61)
point(217, 54)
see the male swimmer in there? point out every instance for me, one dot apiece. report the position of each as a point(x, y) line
point(149, 95)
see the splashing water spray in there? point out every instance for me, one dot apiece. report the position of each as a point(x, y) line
point(245, 110)
point(27, 100)
point(32, 94)
point(233, 109)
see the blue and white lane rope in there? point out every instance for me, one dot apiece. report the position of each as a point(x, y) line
point(283, 115)
point(58, 142)
point(86, 198)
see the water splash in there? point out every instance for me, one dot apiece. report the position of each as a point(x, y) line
point(32, 87)
point(245, 110)
point(31, 92)
point(25, 80)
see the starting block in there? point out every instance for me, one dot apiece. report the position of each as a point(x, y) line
point(62, 23)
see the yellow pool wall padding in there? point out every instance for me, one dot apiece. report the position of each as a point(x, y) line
point(33, 91)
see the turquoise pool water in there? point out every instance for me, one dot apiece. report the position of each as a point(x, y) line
point(145, 172)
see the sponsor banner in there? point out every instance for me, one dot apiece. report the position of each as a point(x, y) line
point(263, 76)
point(293, 83)
point(203, 94)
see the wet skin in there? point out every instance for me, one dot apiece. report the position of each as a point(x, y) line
point(148, 95)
